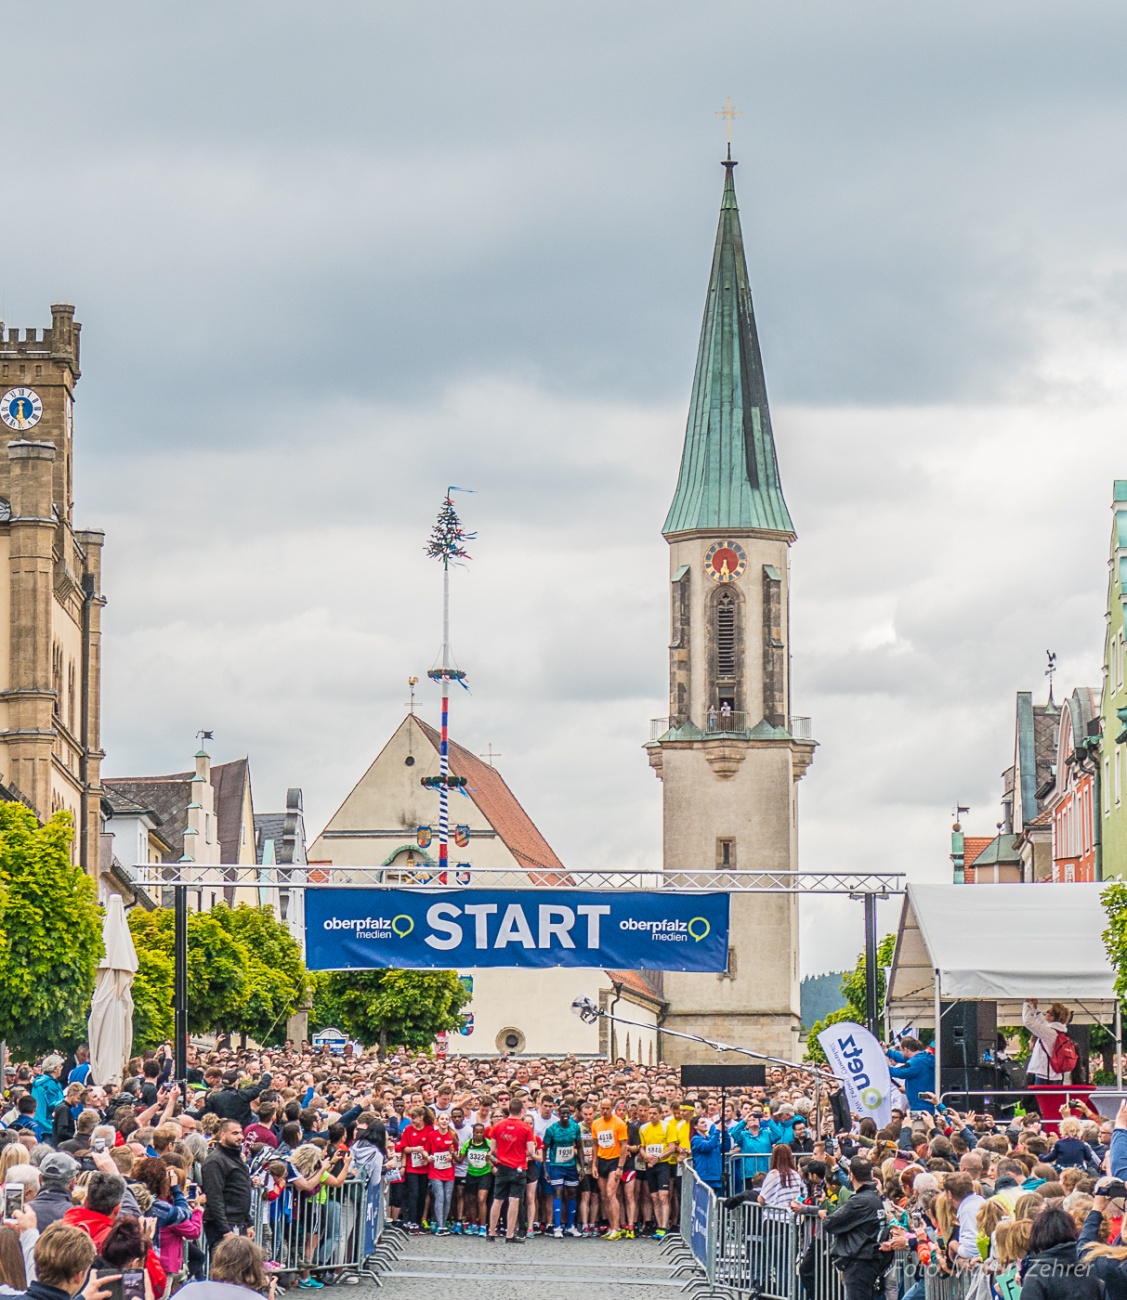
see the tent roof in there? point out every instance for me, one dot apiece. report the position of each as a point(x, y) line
point(1001, 943)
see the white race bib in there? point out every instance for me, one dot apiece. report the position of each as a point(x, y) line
point(655, 1148)
point(564, 1155)
point(478, 1159)
point(606, 1138)
point(442, 1160)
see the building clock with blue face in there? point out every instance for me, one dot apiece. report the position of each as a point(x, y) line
point(21, 408)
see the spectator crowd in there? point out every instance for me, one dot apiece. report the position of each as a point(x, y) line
point(167, 1179)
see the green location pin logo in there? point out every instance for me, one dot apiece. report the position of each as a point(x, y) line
point(403, 925)
point(703, 929)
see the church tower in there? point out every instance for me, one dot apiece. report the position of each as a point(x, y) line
point(730, 755)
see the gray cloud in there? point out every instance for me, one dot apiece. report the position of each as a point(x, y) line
point(330, 260)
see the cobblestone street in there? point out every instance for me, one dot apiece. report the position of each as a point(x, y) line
point(473, 1268)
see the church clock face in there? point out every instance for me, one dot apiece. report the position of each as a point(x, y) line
point(725, 561)
point(20, 408)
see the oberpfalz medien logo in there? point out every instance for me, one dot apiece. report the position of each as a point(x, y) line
point(668, 931)
point(373, 927)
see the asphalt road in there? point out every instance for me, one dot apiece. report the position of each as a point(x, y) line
point(473, 1268)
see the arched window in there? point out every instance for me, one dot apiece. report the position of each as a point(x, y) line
point(726, 637)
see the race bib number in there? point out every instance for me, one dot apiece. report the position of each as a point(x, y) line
point(606, 1138)
point(478, 1159)
point(442, 1160)
point(563, 1155)
point(655, 1148)
point(588, 1142)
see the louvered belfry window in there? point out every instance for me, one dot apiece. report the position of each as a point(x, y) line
point(726, 638)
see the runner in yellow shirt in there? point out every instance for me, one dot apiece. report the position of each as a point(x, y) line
point(657, 1147)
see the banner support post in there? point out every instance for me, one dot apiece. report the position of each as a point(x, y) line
point(872, 1000)
point(180, 988)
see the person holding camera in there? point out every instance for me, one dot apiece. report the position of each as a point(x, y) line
point(856, 1229)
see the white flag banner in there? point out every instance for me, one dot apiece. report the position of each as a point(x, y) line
point(858, 1060)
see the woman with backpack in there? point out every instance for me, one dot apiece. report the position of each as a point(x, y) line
point(1054, 1054)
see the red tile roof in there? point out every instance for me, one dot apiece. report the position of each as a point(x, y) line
point(487, 788)
point(973, 845)
point(636, 983)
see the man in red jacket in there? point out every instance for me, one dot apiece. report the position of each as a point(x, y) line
point(514, 1142)
point(97, 1216)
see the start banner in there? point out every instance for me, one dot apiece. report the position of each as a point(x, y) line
point(364, 929)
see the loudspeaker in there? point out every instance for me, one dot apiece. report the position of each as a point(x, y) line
point(723, 1076)
point(969, 1030)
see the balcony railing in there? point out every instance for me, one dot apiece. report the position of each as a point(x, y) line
point(719, 720)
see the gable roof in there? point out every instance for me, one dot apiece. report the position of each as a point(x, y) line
point(497, 803)
point(169, 796)
point(973, 845)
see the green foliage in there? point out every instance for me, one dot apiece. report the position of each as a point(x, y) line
point(327, 1011)
point(245, 973)
point(153, 1021)
point(853, 990)
point(50, 934)
point(276, 983)
point(1114, 899)
point(814, 1051)
point(216, 965)
point(398, 1007)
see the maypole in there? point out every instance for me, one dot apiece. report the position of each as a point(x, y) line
point(447, 543)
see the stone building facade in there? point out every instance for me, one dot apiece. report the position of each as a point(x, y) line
point(51, 605)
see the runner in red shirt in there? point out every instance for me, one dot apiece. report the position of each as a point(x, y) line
point(513, 1143)
point(413, 1142)
point(441, 1145)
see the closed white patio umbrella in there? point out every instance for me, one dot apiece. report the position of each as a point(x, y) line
point(111, 1012)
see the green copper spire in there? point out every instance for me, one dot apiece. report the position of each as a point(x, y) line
point(729, 475)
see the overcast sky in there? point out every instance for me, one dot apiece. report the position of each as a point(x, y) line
point(330, 258)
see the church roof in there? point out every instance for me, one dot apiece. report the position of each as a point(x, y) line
point(729, 480)
point(487, 788)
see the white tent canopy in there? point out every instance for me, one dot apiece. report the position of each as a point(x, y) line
point(1004, 944)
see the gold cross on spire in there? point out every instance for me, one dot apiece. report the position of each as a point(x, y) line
point(728, 112)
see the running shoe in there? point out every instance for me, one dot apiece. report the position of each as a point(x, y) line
point(572, 1232)
point(613, 1234)
point(659, 1233)
point(628, 1233)
point(557, 1232)
point(311, 1284)
point(457, 1230)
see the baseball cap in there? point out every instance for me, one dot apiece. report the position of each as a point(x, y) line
point(58, 1167)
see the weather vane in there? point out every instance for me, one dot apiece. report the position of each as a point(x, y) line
point(728, 112)
point(1051, 670)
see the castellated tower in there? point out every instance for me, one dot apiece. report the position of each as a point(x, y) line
point(730, 755)
point(50, 607)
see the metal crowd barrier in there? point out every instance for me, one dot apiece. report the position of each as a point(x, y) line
point(754, 1250)
point(338, 1230)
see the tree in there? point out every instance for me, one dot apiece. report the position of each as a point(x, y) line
point(1114, 900)
point(153, 988)
point(276, 983)
point(217, 977)
point(50, 934)
point(399, 1007)
point(853, 990)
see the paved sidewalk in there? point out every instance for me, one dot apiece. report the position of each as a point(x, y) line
point(473, 1268)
